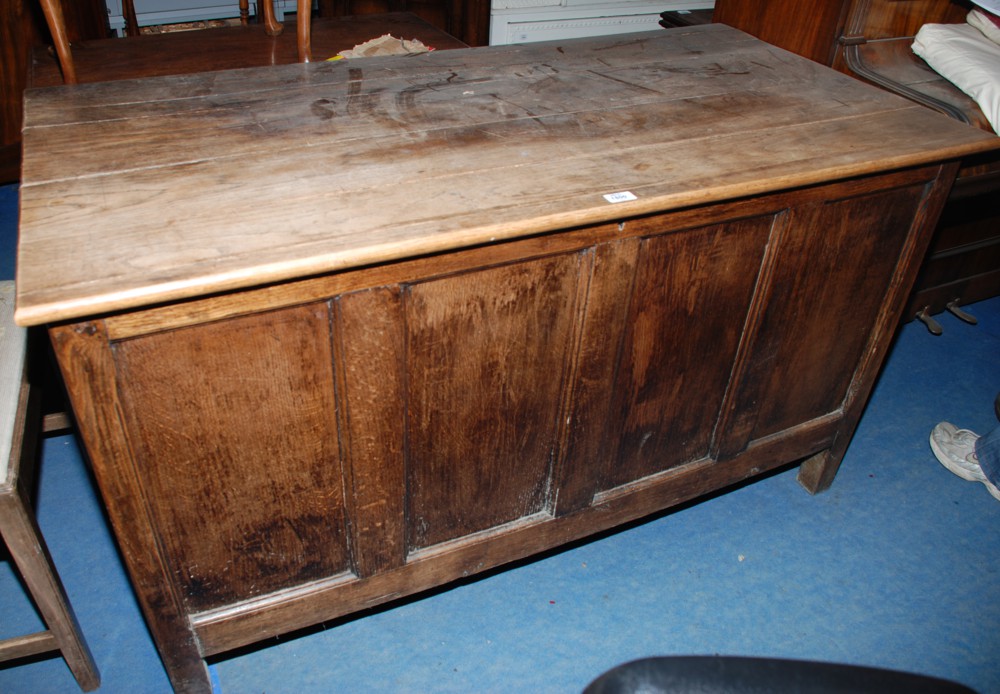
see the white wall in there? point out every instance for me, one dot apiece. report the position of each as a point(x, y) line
point(525, 21)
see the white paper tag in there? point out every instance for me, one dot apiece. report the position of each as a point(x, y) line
point(623, 196)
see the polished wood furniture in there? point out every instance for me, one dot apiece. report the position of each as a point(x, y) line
point(805, 27)
point(19, 426)
point(963, 264)
point(353, 330)
point(229, 48)
point(871, 39)
point(867, 38)
point(876, 46)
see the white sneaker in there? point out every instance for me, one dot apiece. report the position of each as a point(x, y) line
point(956, 450)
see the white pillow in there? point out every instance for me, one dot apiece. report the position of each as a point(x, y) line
point(965, 57)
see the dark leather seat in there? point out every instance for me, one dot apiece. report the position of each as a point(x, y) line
point(737, 675)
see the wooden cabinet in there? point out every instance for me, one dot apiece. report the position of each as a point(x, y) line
point(821, 30)
point(459, 353)
point(805, 27)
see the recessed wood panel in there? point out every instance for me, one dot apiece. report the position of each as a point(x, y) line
point(690, 303)
point(820, 315)
point(233, 426)
point(487, 354)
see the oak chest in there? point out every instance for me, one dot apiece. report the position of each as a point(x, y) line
point(339, 333)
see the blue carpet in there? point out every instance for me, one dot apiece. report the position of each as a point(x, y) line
point(896, 566)
point(8, 230)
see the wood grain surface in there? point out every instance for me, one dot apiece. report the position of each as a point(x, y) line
point(138, 192)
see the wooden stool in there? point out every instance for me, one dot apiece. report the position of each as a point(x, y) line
point(18, 527)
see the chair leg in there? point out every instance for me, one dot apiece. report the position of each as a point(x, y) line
point(303, 24)
point(271, 25)
point(31, 555)
point(57, 27)
point(131, 19)
point(19, 530)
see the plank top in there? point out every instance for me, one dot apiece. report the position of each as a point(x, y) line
point(139, 192)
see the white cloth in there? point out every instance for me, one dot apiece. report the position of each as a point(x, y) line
point(981, 21)
point(965, 57)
